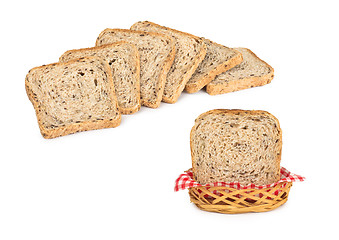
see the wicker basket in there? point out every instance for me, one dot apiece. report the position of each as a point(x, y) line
point(230, 200)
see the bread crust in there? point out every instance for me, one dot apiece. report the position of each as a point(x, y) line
point(75, 127)
point(186, 77)
point(122, 110)
point(241, 84)
point(223, 67)
point(166, 67)
point(234, 112)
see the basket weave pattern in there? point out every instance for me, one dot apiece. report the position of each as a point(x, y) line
point(231, 200)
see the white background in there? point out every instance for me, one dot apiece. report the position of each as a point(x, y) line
point(118, 183)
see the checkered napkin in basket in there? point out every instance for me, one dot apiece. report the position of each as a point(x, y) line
point(185, 181)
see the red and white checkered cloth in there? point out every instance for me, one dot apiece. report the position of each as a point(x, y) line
point(186, 180)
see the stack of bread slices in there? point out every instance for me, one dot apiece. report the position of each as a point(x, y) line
point(90, 88)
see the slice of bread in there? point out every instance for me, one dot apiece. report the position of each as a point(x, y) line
point(252, 72)
point(156, 56)
point(190, 51)
point(218, 59)
point(124, 61)
point(236, 146)
point(73, 96)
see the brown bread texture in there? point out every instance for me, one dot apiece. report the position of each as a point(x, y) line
point(190, 52)
point(73, 96)
point(236, 146)
point(251, 72)
point(124, 61)
point(218, 59)
point(157, 53)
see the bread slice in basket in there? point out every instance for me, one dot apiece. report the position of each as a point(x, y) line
point(156, 56)
point(73, 96)
point(124, 61)
point(236, 146)
point(218, 59)
point(251, 72)
point(190, 51)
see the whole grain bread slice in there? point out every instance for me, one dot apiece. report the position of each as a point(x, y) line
point(73, 96)
point(156, 56)
point(124, 61)
point(251, 72)
point(218, 59)
point(236, 146)
point(190, 51)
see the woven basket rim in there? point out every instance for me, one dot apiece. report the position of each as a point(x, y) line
point(223, 199)
point(248, 189)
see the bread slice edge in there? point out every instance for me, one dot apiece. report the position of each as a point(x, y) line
point(223, 67)
point(166, 67)
point(186, 77)
point(241, 84)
